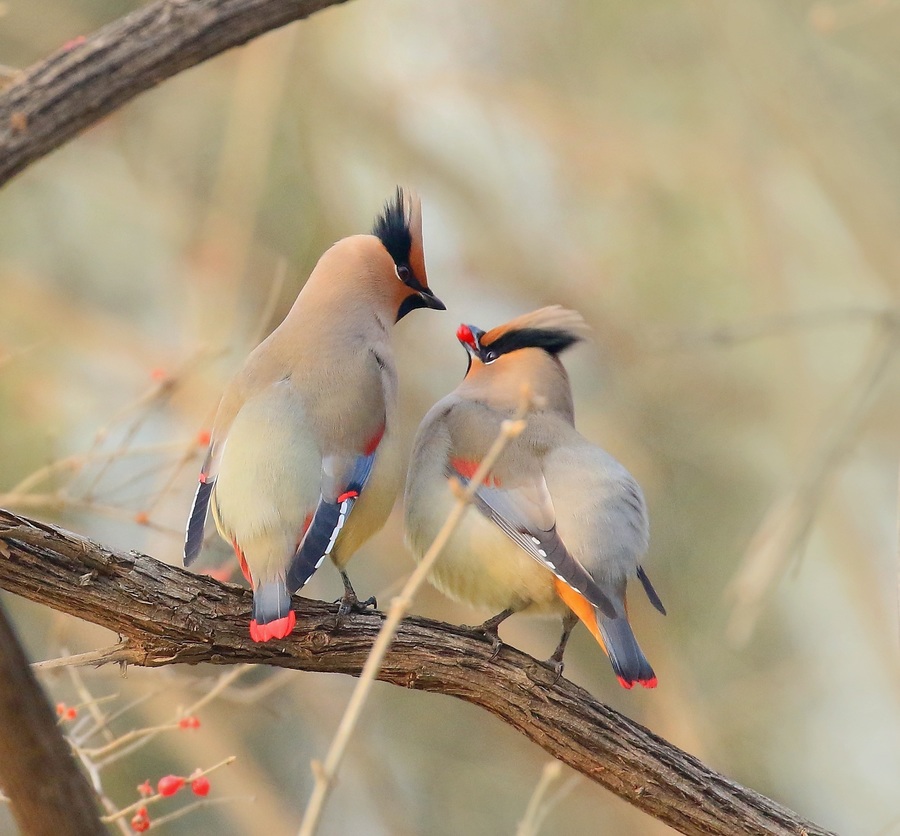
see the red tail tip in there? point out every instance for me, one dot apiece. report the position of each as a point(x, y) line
point(279, 629)
point(647, 683)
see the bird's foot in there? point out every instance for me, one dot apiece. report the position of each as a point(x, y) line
point(350, 603)
point(491, 631)
point(555, 665)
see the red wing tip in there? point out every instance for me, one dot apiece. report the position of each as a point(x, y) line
point(348, 495)
point(649, 683)
point(625, 683)
point(279, 629)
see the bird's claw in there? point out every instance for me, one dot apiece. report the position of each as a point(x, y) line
point(557, 666)
point(350, 603)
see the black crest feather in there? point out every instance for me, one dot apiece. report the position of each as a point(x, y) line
point(552, 341)
point(392, 227)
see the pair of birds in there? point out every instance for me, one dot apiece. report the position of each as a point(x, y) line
point(304, 460)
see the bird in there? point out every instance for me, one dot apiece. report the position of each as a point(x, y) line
point(304, 457)
point(559, 526)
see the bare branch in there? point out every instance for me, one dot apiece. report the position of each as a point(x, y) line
point(168, 615)
point(52, 101)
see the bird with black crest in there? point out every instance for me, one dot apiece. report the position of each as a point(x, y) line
point(304, 460)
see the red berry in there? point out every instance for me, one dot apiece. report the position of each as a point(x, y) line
point(145, 789)
point(141, 821)
point(60, 709)
point(203, 437)
point(71, 713)
point(200, 786)
point(170, 784)
point(189, 723)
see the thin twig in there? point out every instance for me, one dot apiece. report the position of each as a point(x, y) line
point(196, 805)
point(325, 772)
point(77, 660)
point(137, 741)
point(144, 802)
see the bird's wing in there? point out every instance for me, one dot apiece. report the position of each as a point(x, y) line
point(344, 478)
point(193, 540)
point(525, 513)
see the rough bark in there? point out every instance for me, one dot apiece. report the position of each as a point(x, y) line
point(52, 101)
point(167, 615)
point(32, 749)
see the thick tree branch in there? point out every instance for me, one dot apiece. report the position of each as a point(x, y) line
point(52, 101)
point(167, 615)
point(32, 748)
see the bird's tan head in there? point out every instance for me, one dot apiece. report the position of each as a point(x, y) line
point(552, 330)
point(399, 229)
point(523, 351)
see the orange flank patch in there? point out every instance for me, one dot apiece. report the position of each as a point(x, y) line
point(583, 608)
point(243, 561)
point(467, 467)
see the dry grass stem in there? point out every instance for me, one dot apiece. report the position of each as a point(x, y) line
point(785, 528)
point(326, 771)
point(529, 825)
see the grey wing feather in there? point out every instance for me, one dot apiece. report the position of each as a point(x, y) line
point(544, 545)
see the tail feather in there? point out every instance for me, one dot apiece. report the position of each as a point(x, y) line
point(624, 653)
point(614, 635)
point(273, 617)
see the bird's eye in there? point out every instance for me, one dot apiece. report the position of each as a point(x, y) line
point(403, 273)
point(490, 356)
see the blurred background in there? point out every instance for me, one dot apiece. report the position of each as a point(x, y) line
point(713, 185)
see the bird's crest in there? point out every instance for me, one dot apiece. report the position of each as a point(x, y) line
point(393, 225)
point(553, 329)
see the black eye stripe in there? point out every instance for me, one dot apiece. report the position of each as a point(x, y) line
point(551, 341)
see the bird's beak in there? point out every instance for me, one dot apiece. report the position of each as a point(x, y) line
point(430, 300)
point(469, 336)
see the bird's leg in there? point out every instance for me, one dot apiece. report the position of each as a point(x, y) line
point(350, 603)
point(491, 629)
point(556, 659)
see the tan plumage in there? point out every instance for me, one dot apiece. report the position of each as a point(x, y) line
point(305, 432)
point(560, 525)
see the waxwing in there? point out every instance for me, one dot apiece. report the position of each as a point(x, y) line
point(303, 461)
point(559, 526)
